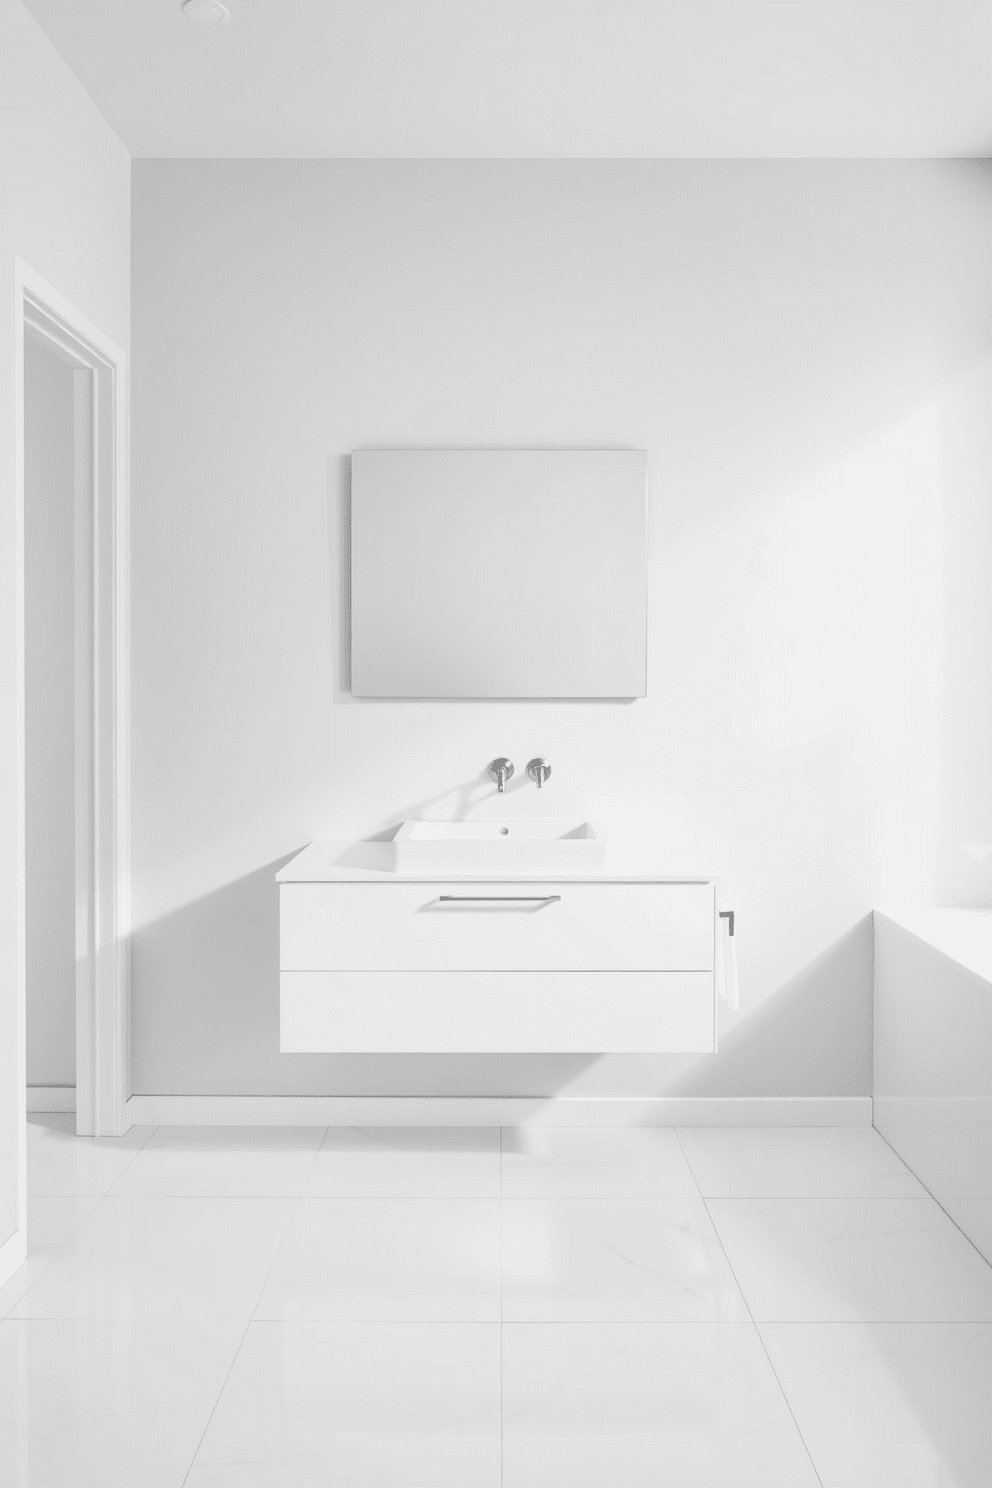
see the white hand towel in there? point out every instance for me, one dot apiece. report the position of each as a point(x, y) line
point(720, 963)
point(727, 984)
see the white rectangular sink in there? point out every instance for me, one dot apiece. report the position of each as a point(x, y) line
point(554, 845)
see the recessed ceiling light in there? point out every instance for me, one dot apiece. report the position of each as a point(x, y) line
point(206, 12)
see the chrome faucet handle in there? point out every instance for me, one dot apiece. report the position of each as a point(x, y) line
point(539, 770)
point(501, 771)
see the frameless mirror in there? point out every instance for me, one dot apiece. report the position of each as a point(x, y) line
point(498, 573)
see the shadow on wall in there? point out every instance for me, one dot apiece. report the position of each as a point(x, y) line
point(219, 1026)
point(219, 956)
point(819, 1021)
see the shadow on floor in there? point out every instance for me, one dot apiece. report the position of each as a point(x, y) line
point(206, 1021)
point(205, 1017)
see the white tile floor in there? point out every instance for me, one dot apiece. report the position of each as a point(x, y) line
point(402, 1308)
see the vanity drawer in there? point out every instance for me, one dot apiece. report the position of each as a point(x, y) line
point(497, 927)
point(420, 1012)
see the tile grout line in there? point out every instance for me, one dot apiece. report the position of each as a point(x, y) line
point(213, 1408)
point(251, 1315)
point(6, 1316)
point(134, 1156)
point(757, 1330)
point(692, 1171)
point(933, 1196)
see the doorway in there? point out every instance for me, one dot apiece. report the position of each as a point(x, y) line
point(55, 392)
point(99, 799)
point(73, 696)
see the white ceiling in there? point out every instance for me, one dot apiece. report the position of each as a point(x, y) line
point(606, 78)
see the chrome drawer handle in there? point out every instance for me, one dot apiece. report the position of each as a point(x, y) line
point(499, 898)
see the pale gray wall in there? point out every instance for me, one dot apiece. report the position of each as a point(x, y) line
point(65, 189)
point(49, 756)
point(803, 350)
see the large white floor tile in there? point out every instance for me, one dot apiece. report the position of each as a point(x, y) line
point(591, 1162)
point(614, 1260)
point(431, 1260)
point(407, 1162)
point(270, 1161)
point(107, 1403)
point(890, 1405)
point(671, 1405)
point(975, 1218)
point(947, 1142)
point(852, 1260)
point(830, 1162)
point(163, 1258)
point(62, 1164)
point(50, 1224)
point(357, 1404)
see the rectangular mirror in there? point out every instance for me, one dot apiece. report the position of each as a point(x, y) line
point(498, 573)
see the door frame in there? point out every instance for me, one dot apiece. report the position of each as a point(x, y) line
point(102, 544)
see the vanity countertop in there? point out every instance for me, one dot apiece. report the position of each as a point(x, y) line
point(368, 862)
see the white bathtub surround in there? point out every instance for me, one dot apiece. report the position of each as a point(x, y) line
point(961, 938)
point(475, 1306)
point(933, 1055)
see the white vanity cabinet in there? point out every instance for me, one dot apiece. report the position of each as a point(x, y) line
point(373, 962)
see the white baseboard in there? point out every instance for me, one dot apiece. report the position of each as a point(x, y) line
point(51, 1097)
point(396, 1110)
point(13, 1254)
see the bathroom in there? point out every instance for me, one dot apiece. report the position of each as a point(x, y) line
point(759, 1254)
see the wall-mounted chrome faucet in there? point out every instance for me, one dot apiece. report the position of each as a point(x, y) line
point(501, 771)
point(539, 770)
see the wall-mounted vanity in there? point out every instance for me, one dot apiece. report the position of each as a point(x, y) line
point(495, 574)
point(375, 960)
